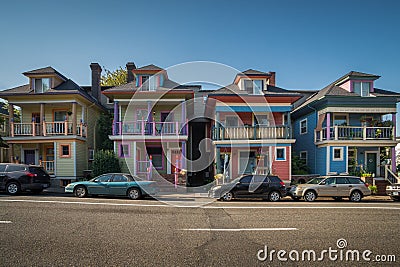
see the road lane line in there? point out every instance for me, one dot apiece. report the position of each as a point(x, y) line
point(6, 222)
point(239, 229)
point(203, 207)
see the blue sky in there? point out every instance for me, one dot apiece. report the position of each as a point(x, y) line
point(307, 43)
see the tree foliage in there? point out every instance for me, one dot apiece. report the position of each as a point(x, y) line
point(104, 129)
point(114, 78)
point(105, 161)
point(299, 167)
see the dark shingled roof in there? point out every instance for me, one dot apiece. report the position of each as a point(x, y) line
point(46, 70)
point(271, 91)
point(150, 67)
point(253, 72)
point(131, 87)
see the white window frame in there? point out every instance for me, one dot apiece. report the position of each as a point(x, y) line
point(306, 158)
point(361, 87)
point(333, 154)
point(231, 116)
point(305, 120)
point(339, 114)
point(284, 153)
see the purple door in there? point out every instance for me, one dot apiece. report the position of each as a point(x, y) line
point(29, 157)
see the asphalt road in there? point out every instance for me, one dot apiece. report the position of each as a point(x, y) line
point(65, 231)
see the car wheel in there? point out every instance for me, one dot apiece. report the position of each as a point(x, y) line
point(80, 191)
point(356, 196)
point(295, 198)
point(274, 196)
point(228, 196)
point(337, 198)
point(13, 188)
point(134, 193)
point(310, 196)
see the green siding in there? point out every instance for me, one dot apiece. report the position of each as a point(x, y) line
point(65, 166)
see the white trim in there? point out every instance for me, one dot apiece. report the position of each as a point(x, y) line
point(340, 114)
point(55, 158)
point(367, 110)
point(290, 164)
point(306, 126)
point(248, 142)
point(341, 153)
point(73, 154)
point(347, 159)
point(168, 161)
point(120, 112)
point(146, 100)
point(284, 153)
point(328, 160)
point(134, 156)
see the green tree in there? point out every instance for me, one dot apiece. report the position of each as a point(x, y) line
point(299, 167)
point(105, 161)
point(114, 78)
point(104, 129)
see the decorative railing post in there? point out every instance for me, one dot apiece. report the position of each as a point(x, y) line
point(66, 127)
point(150, 172)
point(12, 128)
point(176, 171)
point(33, 127)
point(44, 128)
point(364, 132)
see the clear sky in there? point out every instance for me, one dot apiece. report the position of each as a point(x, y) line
point(307, 43)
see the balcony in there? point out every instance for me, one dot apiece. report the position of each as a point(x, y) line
point(150, 128)
point(250, 132)
point(355, 133)
point(47, 129)
point(48, 165)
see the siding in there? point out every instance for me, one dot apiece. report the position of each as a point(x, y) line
point(338, 166)
point(281, 168)
point(65, 166)
point(81, 158)
point(320, 161)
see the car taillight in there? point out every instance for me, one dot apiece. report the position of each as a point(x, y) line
point(366, 184)
point(282, 183)
point(31, 174)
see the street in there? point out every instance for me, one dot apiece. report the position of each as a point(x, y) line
point(51, 230)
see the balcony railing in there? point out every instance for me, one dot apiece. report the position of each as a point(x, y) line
point(251, 132)
point(355, 133)
point(47, 129)
point(150, 128)
point(48, 166)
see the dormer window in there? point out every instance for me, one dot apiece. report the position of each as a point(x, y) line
point(362, 88)
point(148, 83)
point(41, 85)
point(254, 87)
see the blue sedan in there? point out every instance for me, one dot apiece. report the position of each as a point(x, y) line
point(117, 184)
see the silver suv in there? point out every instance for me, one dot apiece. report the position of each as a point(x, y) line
point(332, 186)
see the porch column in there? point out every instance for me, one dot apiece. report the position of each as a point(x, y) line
point(149, 118)
point(11, 118)
point(328, 126)
point(288, 123)
point(42, 118)
point(134, 158)
point(116, 118)
point(217, 160)
point(11, 149)
point(183, 158)
point(394, 125)
point(183, 130)
point(217, 128)
point(74, 119)
point(394, 167)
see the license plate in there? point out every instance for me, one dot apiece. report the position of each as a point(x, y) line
point(45, 185)
point(395, 193)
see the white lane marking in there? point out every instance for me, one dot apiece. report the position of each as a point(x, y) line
point(203, 207)
point(6, 222)
point(240, 229)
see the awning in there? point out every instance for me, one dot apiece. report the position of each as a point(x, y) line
point(321, 119)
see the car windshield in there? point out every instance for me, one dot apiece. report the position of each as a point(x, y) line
point(315, 181)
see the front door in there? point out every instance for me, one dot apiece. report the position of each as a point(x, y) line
point(29, 157)
point(371, 163)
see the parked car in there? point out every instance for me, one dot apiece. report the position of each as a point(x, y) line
point(250, 186)
point(393, 191)
point(15, 178)
point(291, 191)
point(117, 184)
point(333, 186)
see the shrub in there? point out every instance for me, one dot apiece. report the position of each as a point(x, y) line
point(105, 161)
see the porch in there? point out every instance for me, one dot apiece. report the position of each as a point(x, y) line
point(257, 132)
point(152, 128)
point(48, 129)
point(339, 133)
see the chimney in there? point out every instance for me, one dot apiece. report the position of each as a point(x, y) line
point(272, 78)
point(96, 77)
point(130, 66)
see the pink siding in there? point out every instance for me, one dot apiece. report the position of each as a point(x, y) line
point(346, 86)
point(281, 168)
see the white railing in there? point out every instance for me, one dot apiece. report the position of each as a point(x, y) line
point(150, 128)
point(354, 133)
point(47, 129)
point(251, 132)
point(48, 165)
point(391, 176)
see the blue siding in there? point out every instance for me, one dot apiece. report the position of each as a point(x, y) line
point(305, 142)
point(338, 166)
point(320, 162)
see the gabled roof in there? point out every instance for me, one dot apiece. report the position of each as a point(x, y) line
point(150, 67)
point(44, 71)
point(233, 89)
point(254, 72)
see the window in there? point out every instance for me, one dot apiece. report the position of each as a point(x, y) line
point(60, 115)
point(65, 151)
point(354, 180)
point(280, 154)
point(156, 156)
point(36, 117)
point(254, 87)
point(124, 151)
point(231, 121)
point(3, 167)
point(329, 181)
point(15, 168)
point(148, 83)
point(361, 88)
point(246, 179)
point(110, 101)
point(104, 178)
point(261, 120)
point(341, 180)
point(303, 126)
point(340, 120)
point(304, 156)
point(119, 178)
point(337, 153)
point(42, 85)
point(91, 154)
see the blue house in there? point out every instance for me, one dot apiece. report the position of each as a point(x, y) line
point(346, 127)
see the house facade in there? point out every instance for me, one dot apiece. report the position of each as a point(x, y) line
point(150, 129)
point(251, 130)
point(347, 127)
point(57, 125)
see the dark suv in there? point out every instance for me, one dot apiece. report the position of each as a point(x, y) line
point(15, 178)
point(250, 186)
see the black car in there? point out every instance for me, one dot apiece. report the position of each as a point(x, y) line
point(250, 186)
point(15, 178)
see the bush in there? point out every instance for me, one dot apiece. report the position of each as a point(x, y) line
point(105, 161)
